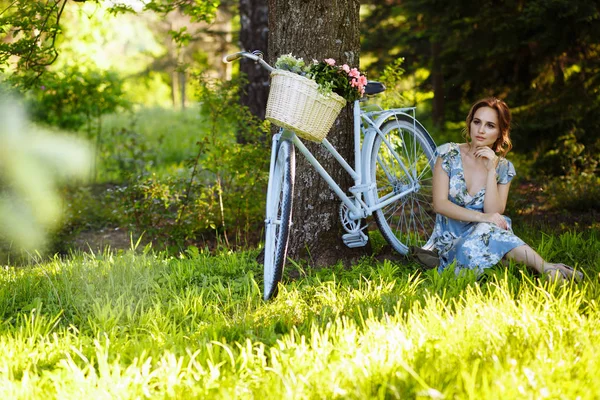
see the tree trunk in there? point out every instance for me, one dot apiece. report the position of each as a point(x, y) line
point(174, 87)
point(254, 35)
point(437, 80)
point(319, 29)
point(182, 83)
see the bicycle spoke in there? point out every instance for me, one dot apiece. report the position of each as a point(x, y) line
point(385, 170)
point(422, 217)
point(423, 172)
point(404, 159)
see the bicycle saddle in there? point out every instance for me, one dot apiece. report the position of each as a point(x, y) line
point(374, 87)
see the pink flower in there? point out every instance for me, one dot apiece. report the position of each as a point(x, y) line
point(330, 61)
point(346, 68)
point(354, 73)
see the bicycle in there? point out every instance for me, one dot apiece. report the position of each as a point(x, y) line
point(394, 156)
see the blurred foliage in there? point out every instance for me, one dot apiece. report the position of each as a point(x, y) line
point(574, 192)
point(74, 97)
point(126, 155)
point(30, 29)
point(33, 163)
point(167, 137)
point(569, 157)
point(574, 182)
point(199, 10)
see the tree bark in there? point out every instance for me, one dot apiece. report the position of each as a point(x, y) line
point(254, 35)
point(319, 29)
point(182, 83)
point(437, 80)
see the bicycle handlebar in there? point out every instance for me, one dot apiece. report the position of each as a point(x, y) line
point(231, 57)
point(256, 56)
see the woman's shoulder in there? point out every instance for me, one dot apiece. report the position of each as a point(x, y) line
point(505, 163)
point(505, 171)
point(449, 148)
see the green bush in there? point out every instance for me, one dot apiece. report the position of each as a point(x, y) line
point(211, 184)
point(573, 182)
point(575, 192)
point(74, 97)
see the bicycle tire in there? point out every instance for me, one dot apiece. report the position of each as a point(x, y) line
point(410, 220)
point(278, 220)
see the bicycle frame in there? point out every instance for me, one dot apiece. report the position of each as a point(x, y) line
point(373, 121)
point(388, 173)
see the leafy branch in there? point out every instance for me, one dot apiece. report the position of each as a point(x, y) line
point(29, 30)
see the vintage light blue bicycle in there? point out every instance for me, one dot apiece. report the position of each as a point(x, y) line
point(392, 173)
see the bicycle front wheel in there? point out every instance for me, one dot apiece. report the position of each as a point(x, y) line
point(402, 161)
point(278, 216)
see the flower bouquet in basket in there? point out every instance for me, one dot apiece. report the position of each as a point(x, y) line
point(308, 98)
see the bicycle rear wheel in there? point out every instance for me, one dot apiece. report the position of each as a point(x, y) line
point(402, 162)
point(278, 216)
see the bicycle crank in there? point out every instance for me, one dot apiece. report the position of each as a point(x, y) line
point(355, 237)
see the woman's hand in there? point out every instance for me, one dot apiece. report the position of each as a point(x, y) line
point(490, 159)
point(496, 219)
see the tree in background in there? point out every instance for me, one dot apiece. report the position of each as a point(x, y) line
point(29, 32)
point(30, 29)
point(542, 56)
point(390, 31)
point(254, 35)
point(192, 45)
point(316, 30)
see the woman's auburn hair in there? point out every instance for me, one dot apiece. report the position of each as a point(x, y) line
point(503, 143)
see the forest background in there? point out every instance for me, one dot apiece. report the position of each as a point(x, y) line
point(150, 286)
point(179, 153)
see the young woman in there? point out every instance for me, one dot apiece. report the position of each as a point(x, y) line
point(471, 181)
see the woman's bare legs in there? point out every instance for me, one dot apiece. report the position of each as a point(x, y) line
point(526, 255)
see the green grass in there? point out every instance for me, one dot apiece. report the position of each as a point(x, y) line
point(144, 325)
point(172, 133)
point(162, 139)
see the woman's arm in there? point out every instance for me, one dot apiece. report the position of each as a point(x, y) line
point(495, 194)
point(443, 206)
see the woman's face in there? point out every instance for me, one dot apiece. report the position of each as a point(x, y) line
point(484, 128)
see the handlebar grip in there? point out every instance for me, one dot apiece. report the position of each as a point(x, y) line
point(232, 57)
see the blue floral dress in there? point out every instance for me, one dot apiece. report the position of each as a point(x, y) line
point(473, 245)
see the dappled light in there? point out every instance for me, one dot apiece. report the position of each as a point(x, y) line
point(147, 324)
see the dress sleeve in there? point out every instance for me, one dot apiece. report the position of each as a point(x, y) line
point(505, 171)
point(444, 152)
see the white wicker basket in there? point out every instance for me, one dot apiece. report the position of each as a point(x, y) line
point(295, 103)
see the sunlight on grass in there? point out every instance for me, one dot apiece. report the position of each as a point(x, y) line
point(145, 325)
point(169, 134)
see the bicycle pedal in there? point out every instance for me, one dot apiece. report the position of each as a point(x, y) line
point(355, 239)
point(361, 188)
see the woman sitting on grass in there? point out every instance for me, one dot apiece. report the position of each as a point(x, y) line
point(470, 188)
